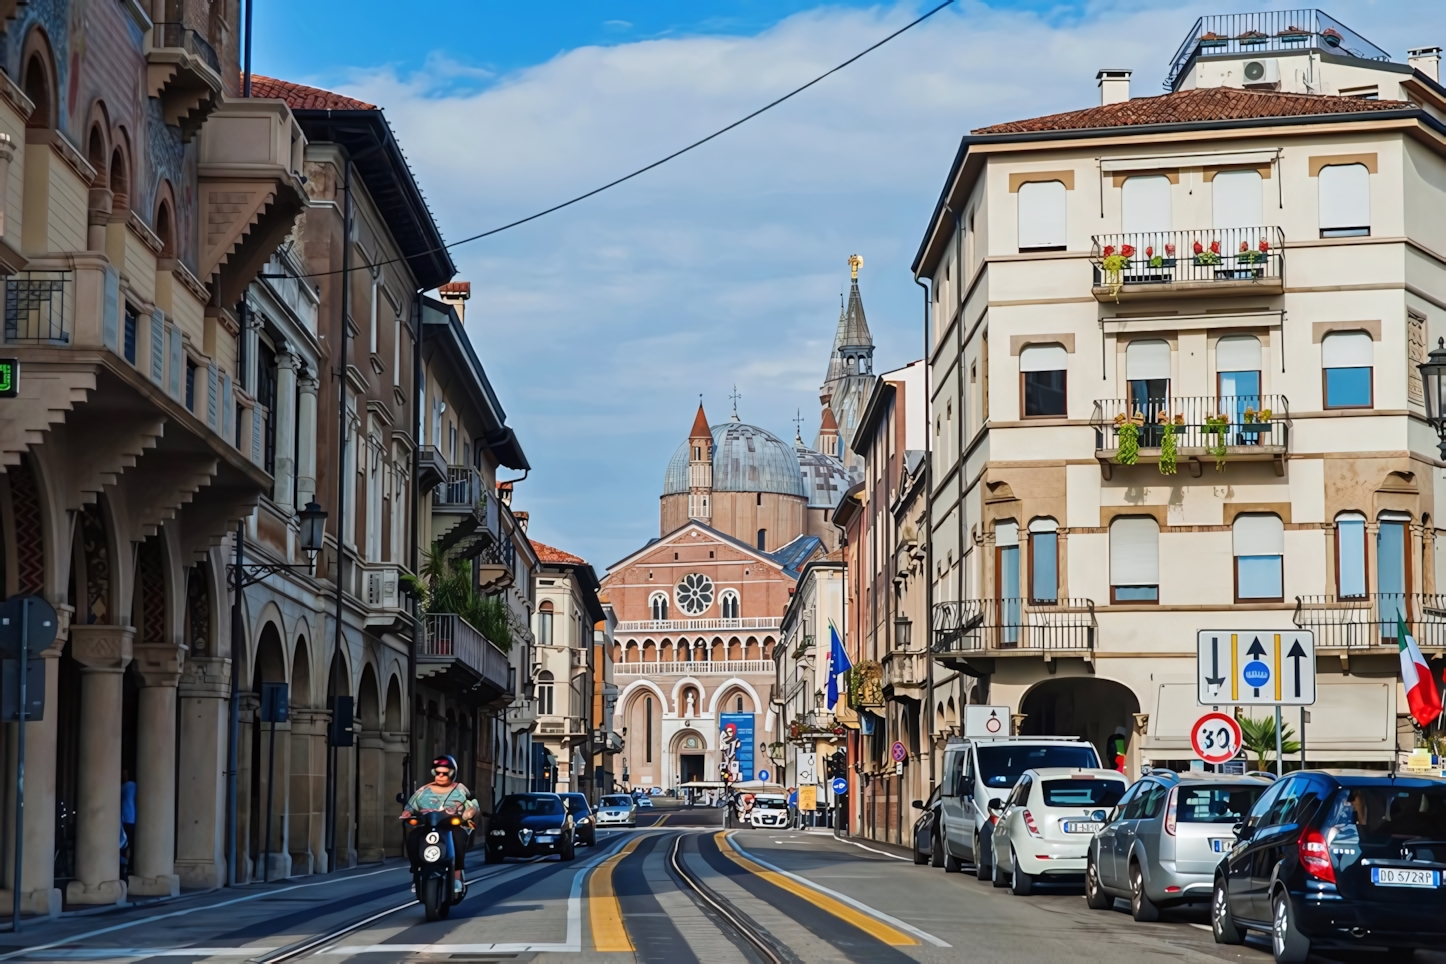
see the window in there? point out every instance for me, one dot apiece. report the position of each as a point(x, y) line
point(266, 398)
point(1145, 205)
point(1042, 216)
point(1147, 371)
point(1350, 555)
point(1153, 802)
point(1042, 379)
point(544, 624)
point(1238, 200)
point(1006, 583)
point(1044, 561)
point(648, 714)
point(129, 343)
point(1345, 201)
point(1346, 358)
point(762, 539)
point(1393, 570)
point(1259, 547)
point(658, 604)
point(729, 602)
point(1237, 367)
point(1134, 559)
point(738, 705)
point(545, 694)
point(190, 385)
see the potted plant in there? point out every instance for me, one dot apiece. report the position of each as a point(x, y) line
point(1331, 36)
point(1217, 426)
point(1207, 256)
point(1114, 264)
point(1256, 256)
point(1167, 260)
point(1252, 38)
point(1169, 446)
point(1293, 35)
point(1212, 39)
point(1254, 423)
point(1128, 429)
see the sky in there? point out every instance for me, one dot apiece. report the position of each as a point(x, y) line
point(601, 325)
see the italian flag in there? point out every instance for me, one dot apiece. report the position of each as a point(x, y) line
point(1416, 674)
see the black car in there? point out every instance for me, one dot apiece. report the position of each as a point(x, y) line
point(1338, 858)
point(926, 844)
point(529, 825)
point(583, 818)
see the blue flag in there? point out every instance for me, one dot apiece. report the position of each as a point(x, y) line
point(838, 663)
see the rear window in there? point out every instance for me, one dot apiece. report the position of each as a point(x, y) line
point(1216, 804)
point(524, 804)
point(1385, 818)
point(1001, 764)
point(1083, 793)
point(771, 803)
point(576, 802)
point(616, 802)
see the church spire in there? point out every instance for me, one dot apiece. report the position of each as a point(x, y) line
point(853, 343)
point(700, 468)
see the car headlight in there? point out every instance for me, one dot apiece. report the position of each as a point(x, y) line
point(432, 854)
point(584, 820)
point(433, 837)
point(553, 830)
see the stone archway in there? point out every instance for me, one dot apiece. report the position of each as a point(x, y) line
point(266, 777)
point(690, 757)
point(371, 843)
point(1084, 706)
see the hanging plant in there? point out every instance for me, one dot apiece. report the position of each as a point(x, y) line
point(1128, 428)
point(1114, 264)
point(1216, 426)
point(1169, 445)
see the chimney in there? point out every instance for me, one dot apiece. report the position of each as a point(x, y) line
point(1114, 86)
point(1427, 60)
point(456, 293)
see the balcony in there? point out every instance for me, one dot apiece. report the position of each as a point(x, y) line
point(1199, 428)
point(39, 308)
point(564, 726)
point(432, 468)
point(379, 586)
point(1288, 31)
point(464, 516)
point(183, 71)
point(971, 628)
point(523, 715)
point(906, 672)
point(453, 650)
point(1369, 622)
point(730, 667)
point(695, 625)
point(1149, 265)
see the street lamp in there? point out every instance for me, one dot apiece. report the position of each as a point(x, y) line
point(313, 528)
point(1433, 380)
point(902, 626)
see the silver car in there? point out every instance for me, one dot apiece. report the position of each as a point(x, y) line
point(617, 810)
point(1165, 839)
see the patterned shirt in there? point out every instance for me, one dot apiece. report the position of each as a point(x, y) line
point(429, 797)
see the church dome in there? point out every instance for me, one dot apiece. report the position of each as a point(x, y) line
point(825, 479)
point(746, 458)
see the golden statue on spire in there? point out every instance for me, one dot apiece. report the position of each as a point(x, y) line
point(855, 263)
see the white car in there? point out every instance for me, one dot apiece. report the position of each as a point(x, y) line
point(644, 803)
point(1046, 825)
point(769, 810)
point(617, 810)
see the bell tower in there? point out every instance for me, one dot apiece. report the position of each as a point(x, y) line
point(700, 469)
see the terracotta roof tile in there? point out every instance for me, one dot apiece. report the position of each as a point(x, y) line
point(1188, 106)
point(547, 553)
point(700, 425)
point(302, 97)
point(462, 288)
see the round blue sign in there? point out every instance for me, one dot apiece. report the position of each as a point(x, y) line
point(1256, 673)
point(839, 785)
point(763, 774)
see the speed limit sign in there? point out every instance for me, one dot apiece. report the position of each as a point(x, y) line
point(1216, 737)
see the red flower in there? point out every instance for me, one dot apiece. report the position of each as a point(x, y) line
point(1244, 246)
point(1170, 250)
point(1199, 247)
point(1264, 245)
point(1149, 250)
point(1128, 250)
point(1215, 247)
point(1109, 250)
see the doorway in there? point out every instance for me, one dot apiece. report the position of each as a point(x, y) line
point(690, 767)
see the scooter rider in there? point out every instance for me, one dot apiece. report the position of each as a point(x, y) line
point(446, 794)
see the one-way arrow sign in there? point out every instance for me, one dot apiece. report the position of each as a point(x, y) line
point(1255, 667)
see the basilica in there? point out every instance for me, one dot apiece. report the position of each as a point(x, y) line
point(699, 608)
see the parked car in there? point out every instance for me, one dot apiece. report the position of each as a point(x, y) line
point(769, 810)
point(1338, 858)
point(617, 810)
point(925, 827)
point(1165, 838)
point(984, 769)
point(1045, 827)
point(583, 819)
point(529, 825)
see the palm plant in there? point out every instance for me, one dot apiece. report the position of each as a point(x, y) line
point(447, 585)
point(1259, 738)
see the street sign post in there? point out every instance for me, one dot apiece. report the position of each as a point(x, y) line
point(1255, 667)
point(839, 786)
point(899, 752)
point(28, 625)
point(1216, 738)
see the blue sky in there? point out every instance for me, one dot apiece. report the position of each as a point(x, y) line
point(602, 324)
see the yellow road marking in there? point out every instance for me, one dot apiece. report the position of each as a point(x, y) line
point(604, 912)
point(842, 911)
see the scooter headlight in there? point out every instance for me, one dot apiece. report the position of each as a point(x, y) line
point(433, 837)
point(432, 854)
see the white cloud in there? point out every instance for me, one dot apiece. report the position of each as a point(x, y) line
point(602, 323)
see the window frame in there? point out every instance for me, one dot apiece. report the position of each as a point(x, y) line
point(1343, 231)
point(1115, 599)
point(1365, 556)
point(1325, 392)
point(1018, 219)
point(1033, 540)
point(1235, 562)
point(1063, 390)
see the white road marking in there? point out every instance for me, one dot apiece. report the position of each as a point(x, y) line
point(112, 953)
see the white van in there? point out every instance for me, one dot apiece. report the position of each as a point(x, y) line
point(978, 776)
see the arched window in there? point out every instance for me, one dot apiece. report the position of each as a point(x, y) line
point(120, 185)
point(545, 704)
point(39, 88)
point(658, 605)
point(1259, 540)
point(1042, 380)
point(1147, 369)
point(1145, 207)
point(1238, 199)
point(165, 232)
point(544, 624)
point(1351, 580)
point(648, 727)
point(1393, 569)
point(1135, 559)
point(1006, 585)
point(1345, 201)
point(728, 601)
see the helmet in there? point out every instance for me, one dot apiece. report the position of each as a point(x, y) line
point(445, 760)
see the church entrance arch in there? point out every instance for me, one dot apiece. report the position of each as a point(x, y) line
point(690, 750)
point(1088, 707)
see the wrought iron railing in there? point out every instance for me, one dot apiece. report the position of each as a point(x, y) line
point(182, 37)
point(1361, 622)
point(1175, 257)
point(36, 311)
point(462, 490)
point(1267, 30)
point(1013, 624)
point(1203, 422)
point(449, 636)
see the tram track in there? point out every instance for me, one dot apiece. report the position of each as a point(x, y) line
point(756, 937)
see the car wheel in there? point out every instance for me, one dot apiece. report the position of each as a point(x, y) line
point(1288, 943)
point(996, 875)
point(936, 852)
point(982, 869)
point(1095, 896)
point(568, 850)
point(1142, 908)
point(920, 858)
point(952, 864)
point(1220, 920)
point(1020, 883)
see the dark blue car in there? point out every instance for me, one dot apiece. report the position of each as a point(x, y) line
point(530, 825)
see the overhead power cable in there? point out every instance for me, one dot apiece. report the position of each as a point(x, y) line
point(658, 163)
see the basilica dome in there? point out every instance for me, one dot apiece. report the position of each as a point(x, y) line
point(824, 477)
point(746, 458)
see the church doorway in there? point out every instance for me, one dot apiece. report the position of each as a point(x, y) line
point(690, 767)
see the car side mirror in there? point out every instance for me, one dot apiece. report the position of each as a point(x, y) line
point(918, 804)
point(996, 804)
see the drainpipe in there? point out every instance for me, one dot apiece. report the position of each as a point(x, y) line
point(928, 537)
point(233, 723)
point(408, 772)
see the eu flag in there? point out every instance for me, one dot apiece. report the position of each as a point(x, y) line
point(838, 663)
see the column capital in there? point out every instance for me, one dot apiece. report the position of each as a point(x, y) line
point(159, 663)
point(102, 648)
point(205, 677)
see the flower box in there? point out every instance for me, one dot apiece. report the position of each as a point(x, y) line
point(1239, 274)
point(1209, 40)
point(1252, 38)
point(1331, 36)
point(1293, 35)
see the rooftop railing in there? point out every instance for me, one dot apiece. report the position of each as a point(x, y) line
point(695, 625)
point(722, 667)
point(1363, 622)
point(1179, 257)
point(1013, 625)
point(1268, 30)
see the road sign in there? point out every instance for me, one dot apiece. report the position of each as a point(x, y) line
point(1255, 667)
point(1216, 737)
point(898, 752)
point(986, 720)
point(840, 786)
point(43, 624)
point(763, 775)
point(9, 377)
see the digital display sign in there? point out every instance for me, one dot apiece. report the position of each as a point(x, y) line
point(9, 377)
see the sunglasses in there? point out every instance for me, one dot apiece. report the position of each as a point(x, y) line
point(442, 773)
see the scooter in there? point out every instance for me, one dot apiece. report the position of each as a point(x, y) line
point(429, 848)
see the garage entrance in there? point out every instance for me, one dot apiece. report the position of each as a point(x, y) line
point(1094, 709)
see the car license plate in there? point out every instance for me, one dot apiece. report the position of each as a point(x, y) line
point(1082, 826)
point(1222, 845)
point(1404, 877)
point(548, 839)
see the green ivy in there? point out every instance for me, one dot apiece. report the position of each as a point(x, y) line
point(1129, 452)
point(1169, 450)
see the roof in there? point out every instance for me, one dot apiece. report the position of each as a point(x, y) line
point(797, 553)
point(767, 557)
point(746, 458)
point(700, 424)
point(829, 423)
point(1193, 106)
point(853, 332)
point(550, 554)
point(824, 477)
point(457, 289)
point(302, 97)
point(444, 334)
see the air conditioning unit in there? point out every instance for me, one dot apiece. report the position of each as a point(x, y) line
point(1261, 73)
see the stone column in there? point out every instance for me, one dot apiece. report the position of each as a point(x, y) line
point(285, 417)
point(308, 790)
point(371, 757)
point(39, 895)
point(246, 871)
point(306, 442)
point(393, 761)
point(155, 843)
point(204, 691)
point(103, 652)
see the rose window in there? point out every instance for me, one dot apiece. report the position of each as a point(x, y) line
point(695, 594)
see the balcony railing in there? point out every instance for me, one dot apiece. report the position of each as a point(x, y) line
point(722, 667)
point(1267, 30)
point(695, 625)
point(905, 668)
point(182, 37)
point(462, 490)
point(474, 524)
point(37, 310)
point(1203, 428)
point(1014, 625)
point(450, 637)
point(1366, 621)
point(1159, 263)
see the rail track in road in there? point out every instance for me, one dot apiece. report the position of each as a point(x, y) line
point(761, 941)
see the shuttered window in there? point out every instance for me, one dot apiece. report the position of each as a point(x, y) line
point(1345, 201)
point(1042, 215)
point(1145, 204)
point(158, 347)
point(1238, 199)
point(1351, 555)
point(1135, 559)
point(1042, 379)
point(1238, 353)
point(1259, 545)
point(1044, 561)
point(1147, 360)
point(1346, 362)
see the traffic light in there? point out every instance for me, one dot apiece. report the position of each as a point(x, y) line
point(837, 764)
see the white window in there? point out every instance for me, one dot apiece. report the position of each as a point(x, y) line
point(1346, 359)
point(1259, 547)
point(1147, 360)
point(1145, 205)
point(1350, 555)
point(1345, 201)
point(1134, 559)
point(1238, 199)
point(658, 605)
point(1237, 369)
point(1044, 560)
point(728, 600)
point(1041, 215)
point(545, 701)
point(1042, 371)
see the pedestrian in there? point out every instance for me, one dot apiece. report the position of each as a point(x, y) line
point(128, 818)
point(793, 807)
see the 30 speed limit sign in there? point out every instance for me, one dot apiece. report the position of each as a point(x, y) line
point(1216, 737)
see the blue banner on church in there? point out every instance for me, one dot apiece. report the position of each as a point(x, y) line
point(735, 743)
